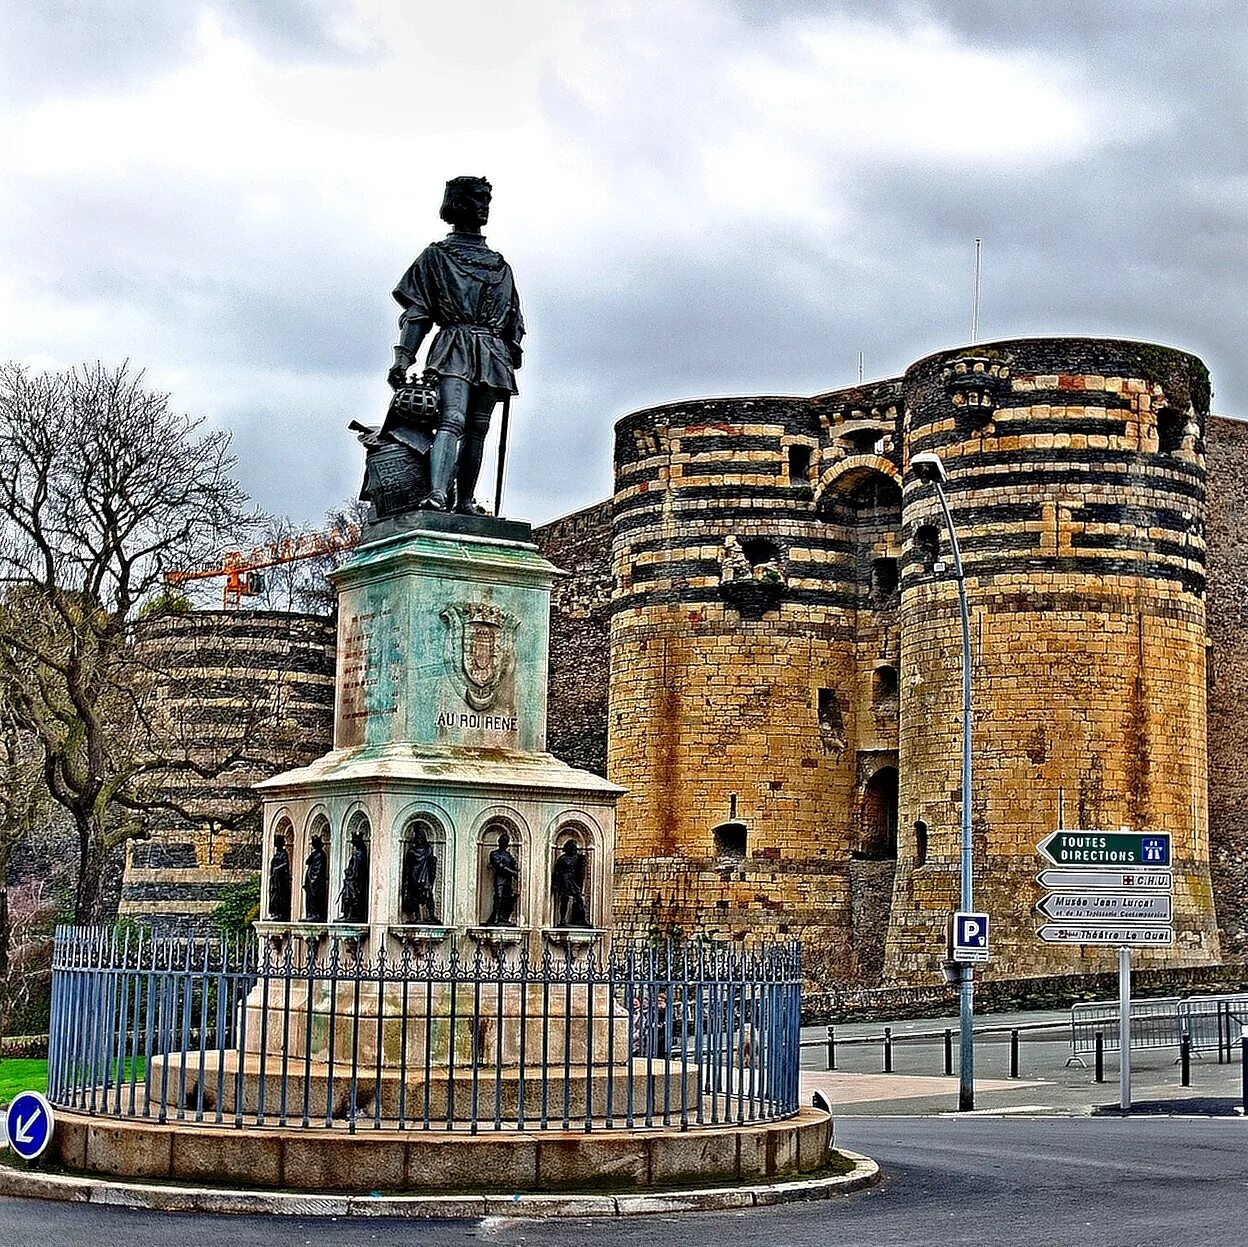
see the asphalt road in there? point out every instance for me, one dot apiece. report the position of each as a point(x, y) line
point(975, 1180)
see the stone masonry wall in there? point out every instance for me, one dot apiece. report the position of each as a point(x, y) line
point(1226, 457)
point(580, 627)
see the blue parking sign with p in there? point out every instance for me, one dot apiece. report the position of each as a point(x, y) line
point(970, 937)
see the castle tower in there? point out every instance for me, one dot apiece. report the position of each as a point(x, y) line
point(753, 700)
point(1077, 486)
point(253, 686)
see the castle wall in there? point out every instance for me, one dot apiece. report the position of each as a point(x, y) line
point(821, 689)
point(248, 683)
point(580, 627)
point(1226, 456)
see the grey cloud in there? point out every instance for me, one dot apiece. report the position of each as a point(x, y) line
point(281, 328)
point(59, 48)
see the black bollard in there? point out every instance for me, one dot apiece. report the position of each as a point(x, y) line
point(888, 1049)
point(1224, 1019)
point(1013, 1054)
point(948, 1052)
point(1100, 1056)
point(831, 1047)
point(1243, 1066)
point(1185, 1061)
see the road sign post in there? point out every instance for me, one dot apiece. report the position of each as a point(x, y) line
point(1124, 1027)
point(1110, 888)
point(29, 1125)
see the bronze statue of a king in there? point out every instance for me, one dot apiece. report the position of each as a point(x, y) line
point(467, 290)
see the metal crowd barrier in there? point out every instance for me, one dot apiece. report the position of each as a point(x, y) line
point(1211, 1023)
point(242, 1033)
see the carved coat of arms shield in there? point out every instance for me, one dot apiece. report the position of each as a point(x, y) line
point(480, 649)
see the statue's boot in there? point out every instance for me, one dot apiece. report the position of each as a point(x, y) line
point(470, 452)
point(443, 456)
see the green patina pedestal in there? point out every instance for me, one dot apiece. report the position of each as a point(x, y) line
point(440, 723)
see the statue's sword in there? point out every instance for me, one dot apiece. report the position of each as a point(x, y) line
point(502, 455)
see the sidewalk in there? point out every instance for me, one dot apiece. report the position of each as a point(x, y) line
point(918, 1086)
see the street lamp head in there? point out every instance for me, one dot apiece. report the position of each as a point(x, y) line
point(929, 468)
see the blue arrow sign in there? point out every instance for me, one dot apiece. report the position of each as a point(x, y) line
point(29, 1124)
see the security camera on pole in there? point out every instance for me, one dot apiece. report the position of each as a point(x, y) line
point(931, 471)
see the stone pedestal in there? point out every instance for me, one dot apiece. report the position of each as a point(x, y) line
point(440, 731)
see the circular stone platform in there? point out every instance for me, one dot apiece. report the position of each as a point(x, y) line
point(333, 1160)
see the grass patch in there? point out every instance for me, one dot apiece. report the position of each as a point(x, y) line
point(21, 1074)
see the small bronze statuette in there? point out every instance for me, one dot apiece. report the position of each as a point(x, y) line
point(316, 884)
point(567, 885)
point(354, 895)
point(420, 873)
point(279, 882)
point(504, 876)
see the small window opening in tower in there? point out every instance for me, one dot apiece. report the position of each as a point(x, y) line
point(927, 545)
point(920, 843)
point(883, 686)
point(861, 441)
point(1170, 429)
point(731, 837)
point(883, 581)
point(759, 550)
point(799, 464)
point(829, 712)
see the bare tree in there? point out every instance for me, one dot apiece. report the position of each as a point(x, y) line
point(103, 489)
point(23, 808)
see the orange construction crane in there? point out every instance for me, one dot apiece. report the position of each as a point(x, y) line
point(242, 569)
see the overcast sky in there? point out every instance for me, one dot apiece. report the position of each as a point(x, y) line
point(697, 196)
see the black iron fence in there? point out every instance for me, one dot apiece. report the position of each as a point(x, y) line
point(232, 1031)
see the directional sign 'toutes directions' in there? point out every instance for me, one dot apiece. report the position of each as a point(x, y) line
point(1107, 906)
point(1130, 934)
point(1119, 880)
point(1107, 848)
point(29, 1124)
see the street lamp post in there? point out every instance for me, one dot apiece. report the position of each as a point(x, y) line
point(929, 469)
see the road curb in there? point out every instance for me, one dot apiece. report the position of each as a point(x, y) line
point(151, 1197)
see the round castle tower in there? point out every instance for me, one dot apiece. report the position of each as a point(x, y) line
point(753, 715)
point(1077, 486)
point(257, 686)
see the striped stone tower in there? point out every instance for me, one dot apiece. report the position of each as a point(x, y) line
point(785, 674)
point(753, 707)
point(1077, 486)
point(266, 673)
